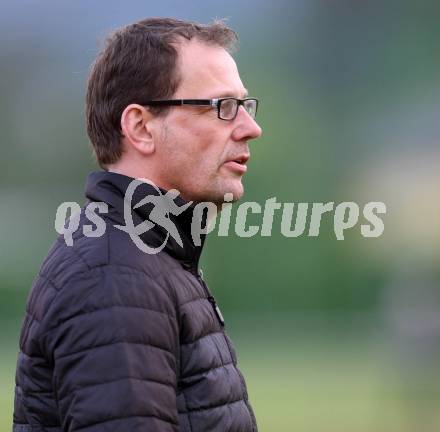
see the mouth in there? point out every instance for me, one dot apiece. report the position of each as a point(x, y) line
point(241, 159)
point(238, 163)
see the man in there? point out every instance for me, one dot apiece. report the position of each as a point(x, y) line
point(115, 339)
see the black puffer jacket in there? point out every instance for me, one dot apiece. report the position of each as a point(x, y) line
point(115, 339)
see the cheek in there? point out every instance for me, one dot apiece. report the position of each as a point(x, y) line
point(202, 149)
point(197, 144)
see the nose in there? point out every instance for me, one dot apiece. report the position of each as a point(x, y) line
point(246, 128)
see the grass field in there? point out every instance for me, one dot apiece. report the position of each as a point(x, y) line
point(310, 384)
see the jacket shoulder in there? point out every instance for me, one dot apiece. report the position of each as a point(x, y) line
point(110, 256)
point(113, 247)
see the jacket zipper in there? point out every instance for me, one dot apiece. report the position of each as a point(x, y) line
point(222, 323)
point(211, 299)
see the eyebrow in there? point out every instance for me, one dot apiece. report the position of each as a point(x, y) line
point(229, 94)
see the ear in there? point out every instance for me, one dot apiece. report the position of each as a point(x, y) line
point(138, 128)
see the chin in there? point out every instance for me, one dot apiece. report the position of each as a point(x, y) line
point(237, 195)
point(235, 188)
point(216, 193)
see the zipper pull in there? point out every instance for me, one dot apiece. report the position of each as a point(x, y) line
point(211, 300)
point(217, 310)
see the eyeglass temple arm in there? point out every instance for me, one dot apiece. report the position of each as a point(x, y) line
point(177, 102)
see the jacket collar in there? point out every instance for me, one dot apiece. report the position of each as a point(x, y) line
point(111, 188)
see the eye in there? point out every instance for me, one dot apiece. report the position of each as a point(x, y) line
point(228, 108)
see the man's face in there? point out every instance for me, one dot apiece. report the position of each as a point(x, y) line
point(197, 150)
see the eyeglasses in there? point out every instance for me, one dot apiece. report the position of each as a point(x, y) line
point(227, 108)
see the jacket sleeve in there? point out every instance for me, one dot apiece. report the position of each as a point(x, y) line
point(112, 336)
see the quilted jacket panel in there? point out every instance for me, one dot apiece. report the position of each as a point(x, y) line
point(115, 339)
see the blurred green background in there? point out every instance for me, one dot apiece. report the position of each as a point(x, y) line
point(331, 335)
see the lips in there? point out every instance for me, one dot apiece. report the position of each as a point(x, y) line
point(238, 163)
point(240, 159)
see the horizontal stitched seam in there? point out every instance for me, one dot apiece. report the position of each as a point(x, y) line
point(127, 417)
point(193, 300)
point(44, 426)
point(99, 266)
point(116, 380)
point(29, 355)
point(207, 370)
point(38, 392)
point(114, 307)
point(27, 312)
point(134, 269)
point(160, 276)
point(210, 407)
point(76, 252)
point(114, 343)
point(49, 280)
point(200, 338)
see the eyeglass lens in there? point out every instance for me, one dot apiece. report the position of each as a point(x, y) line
point(229, 108)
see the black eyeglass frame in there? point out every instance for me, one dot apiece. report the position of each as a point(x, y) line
point(216, 103)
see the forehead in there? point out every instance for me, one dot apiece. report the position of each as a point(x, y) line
point(207, 71)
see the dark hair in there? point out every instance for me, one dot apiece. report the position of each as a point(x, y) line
point(138, 62)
